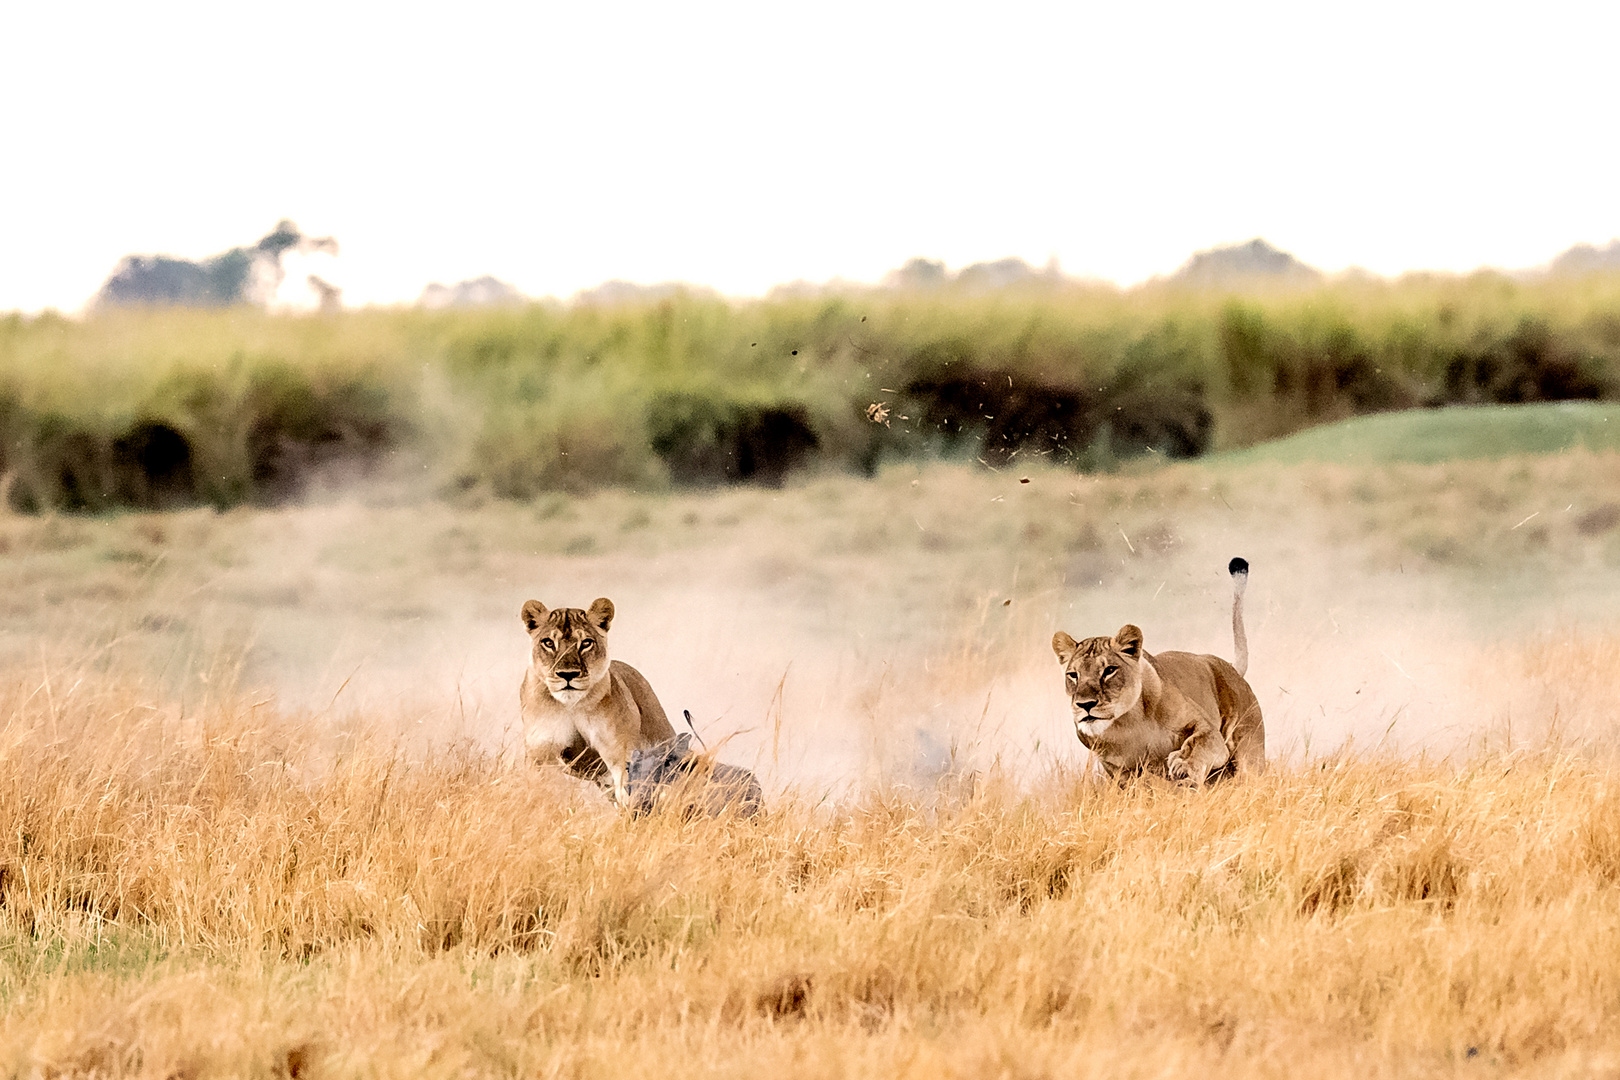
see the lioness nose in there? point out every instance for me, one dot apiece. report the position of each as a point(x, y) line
point(1085, 706)
point(567, 676)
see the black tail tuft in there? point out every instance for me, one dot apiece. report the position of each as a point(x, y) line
point(1237, 566)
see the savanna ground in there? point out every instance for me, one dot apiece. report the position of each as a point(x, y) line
point(257, 820)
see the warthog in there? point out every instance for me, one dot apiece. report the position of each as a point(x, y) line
point(671, 775)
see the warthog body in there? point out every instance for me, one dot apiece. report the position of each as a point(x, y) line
point(672, 776)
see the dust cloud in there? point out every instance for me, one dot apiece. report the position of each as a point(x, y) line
point(842, 632)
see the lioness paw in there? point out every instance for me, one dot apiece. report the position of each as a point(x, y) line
point(1177, 767)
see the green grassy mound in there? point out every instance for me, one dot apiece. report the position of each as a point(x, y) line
point(1462, 432)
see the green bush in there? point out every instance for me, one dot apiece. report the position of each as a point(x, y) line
point(709, 438)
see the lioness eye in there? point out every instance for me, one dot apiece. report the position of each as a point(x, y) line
point(1107, 671)
point(547, 642)
point(1073, 677)
point(586, 645)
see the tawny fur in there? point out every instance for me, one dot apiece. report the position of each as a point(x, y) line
point(580, 708)
point(1183, 716)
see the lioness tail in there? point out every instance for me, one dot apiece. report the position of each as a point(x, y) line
point(1239, 569)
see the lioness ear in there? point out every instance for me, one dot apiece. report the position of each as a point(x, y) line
point(1063, 645)
point(601, 613)
point(1129, 640)
point(532, 614)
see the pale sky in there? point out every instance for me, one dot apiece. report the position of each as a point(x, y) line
point(744, 145)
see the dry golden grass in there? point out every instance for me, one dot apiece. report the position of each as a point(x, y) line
point(205, 893)
point(201, 876)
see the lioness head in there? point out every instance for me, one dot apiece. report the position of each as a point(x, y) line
point(570, 646)
point(1104, 676)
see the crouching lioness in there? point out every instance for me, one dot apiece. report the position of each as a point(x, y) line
point(1184, 716)
point(581, 709)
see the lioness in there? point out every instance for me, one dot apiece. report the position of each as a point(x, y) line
point(581, 709)
point(1181, 715)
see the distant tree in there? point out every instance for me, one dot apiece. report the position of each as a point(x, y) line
point(284, 236)
point(242, 275)
point(918, 274)
point(1237, 263)
point(923, 275)
point(485, 291)
point(1587, 259)
point(1006, 274)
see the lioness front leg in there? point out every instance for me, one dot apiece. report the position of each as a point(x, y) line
point(545, 752)
point(614, 750)
point(621, 780)
point(1202, 753)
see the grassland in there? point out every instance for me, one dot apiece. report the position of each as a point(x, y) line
point(192, 893)
point(258, 815)
point(258, 819)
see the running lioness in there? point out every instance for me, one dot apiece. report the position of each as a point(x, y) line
point(1180, 715)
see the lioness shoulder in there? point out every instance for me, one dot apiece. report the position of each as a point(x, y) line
point(581, 708)
point(1185, 716)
